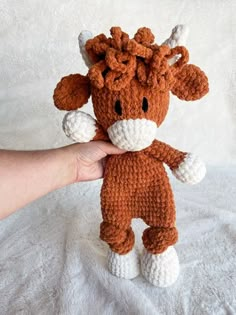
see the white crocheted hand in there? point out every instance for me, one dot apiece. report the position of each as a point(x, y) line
point(192, 170)
point(79, 126)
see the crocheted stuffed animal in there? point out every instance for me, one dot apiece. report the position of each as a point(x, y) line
point(130, 81)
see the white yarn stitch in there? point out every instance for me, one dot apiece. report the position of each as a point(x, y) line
point(124, 266)
point(79, 126)
point(83, 37)
point(192, 170)
point(160, 270)
point(132, 134)
point(178, 37)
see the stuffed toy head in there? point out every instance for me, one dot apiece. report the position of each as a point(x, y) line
point(129, 81)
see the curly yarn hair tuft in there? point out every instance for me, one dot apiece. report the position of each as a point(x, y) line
point(118, 59)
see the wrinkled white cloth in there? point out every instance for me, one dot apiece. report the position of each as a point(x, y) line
point(53, 262)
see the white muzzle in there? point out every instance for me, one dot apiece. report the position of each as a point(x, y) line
point(132, 134)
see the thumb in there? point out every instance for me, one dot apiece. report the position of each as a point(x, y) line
point(109, 148)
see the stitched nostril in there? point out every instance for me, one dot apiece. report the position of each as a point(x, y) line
point(145, 105)
point(118, 108)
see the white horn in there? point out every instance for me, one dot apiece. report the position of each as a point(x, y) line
point(83, 37)
point(178, 37)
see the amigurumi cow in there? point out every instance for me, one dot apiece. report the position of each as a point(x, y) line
point(130, 81)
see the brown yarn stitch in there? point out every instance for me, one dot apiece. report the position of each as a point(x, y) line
point(199, 86)
point(72, 92)
point(144, 36)
point(135, 184)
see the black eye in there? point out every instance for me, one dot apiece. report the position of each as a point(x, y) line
point(145, 105)
point(118, 108)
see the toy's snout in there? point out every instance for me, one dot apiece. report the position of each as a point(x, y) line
point(132, 134)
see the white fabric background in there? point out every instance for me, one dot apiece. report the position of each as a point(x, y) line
point(51, 259)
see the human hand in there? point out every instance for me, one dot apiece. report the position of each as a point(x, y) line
point(89, 159)
point(32, 174)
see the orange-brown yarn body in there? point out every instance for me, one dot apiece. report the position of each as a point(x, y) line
point(135, 186)
point(135, 183)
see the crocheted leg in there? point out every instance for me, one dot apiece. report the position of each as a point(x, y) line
point(157, 239)
point(159, 261)
point(159, 214)
point(160, 270)
point(119, 238)
point(123, 261)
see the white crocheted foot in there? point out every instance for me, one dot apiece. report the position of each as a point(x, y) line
point(192, 170)
point(79, 126)
point(161, 270)
point(124, 266)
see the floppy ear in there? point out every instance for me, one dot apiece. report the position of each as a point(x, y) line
point(191, 83)
point(72, 92)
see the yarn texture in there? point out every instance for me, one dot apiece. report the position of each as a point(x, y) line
point(124, 266)
point(129, 81)
point(160, 270)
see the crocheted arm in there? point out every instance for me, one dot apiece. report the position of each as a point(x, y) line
point(82, 127)
point(186, 167)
